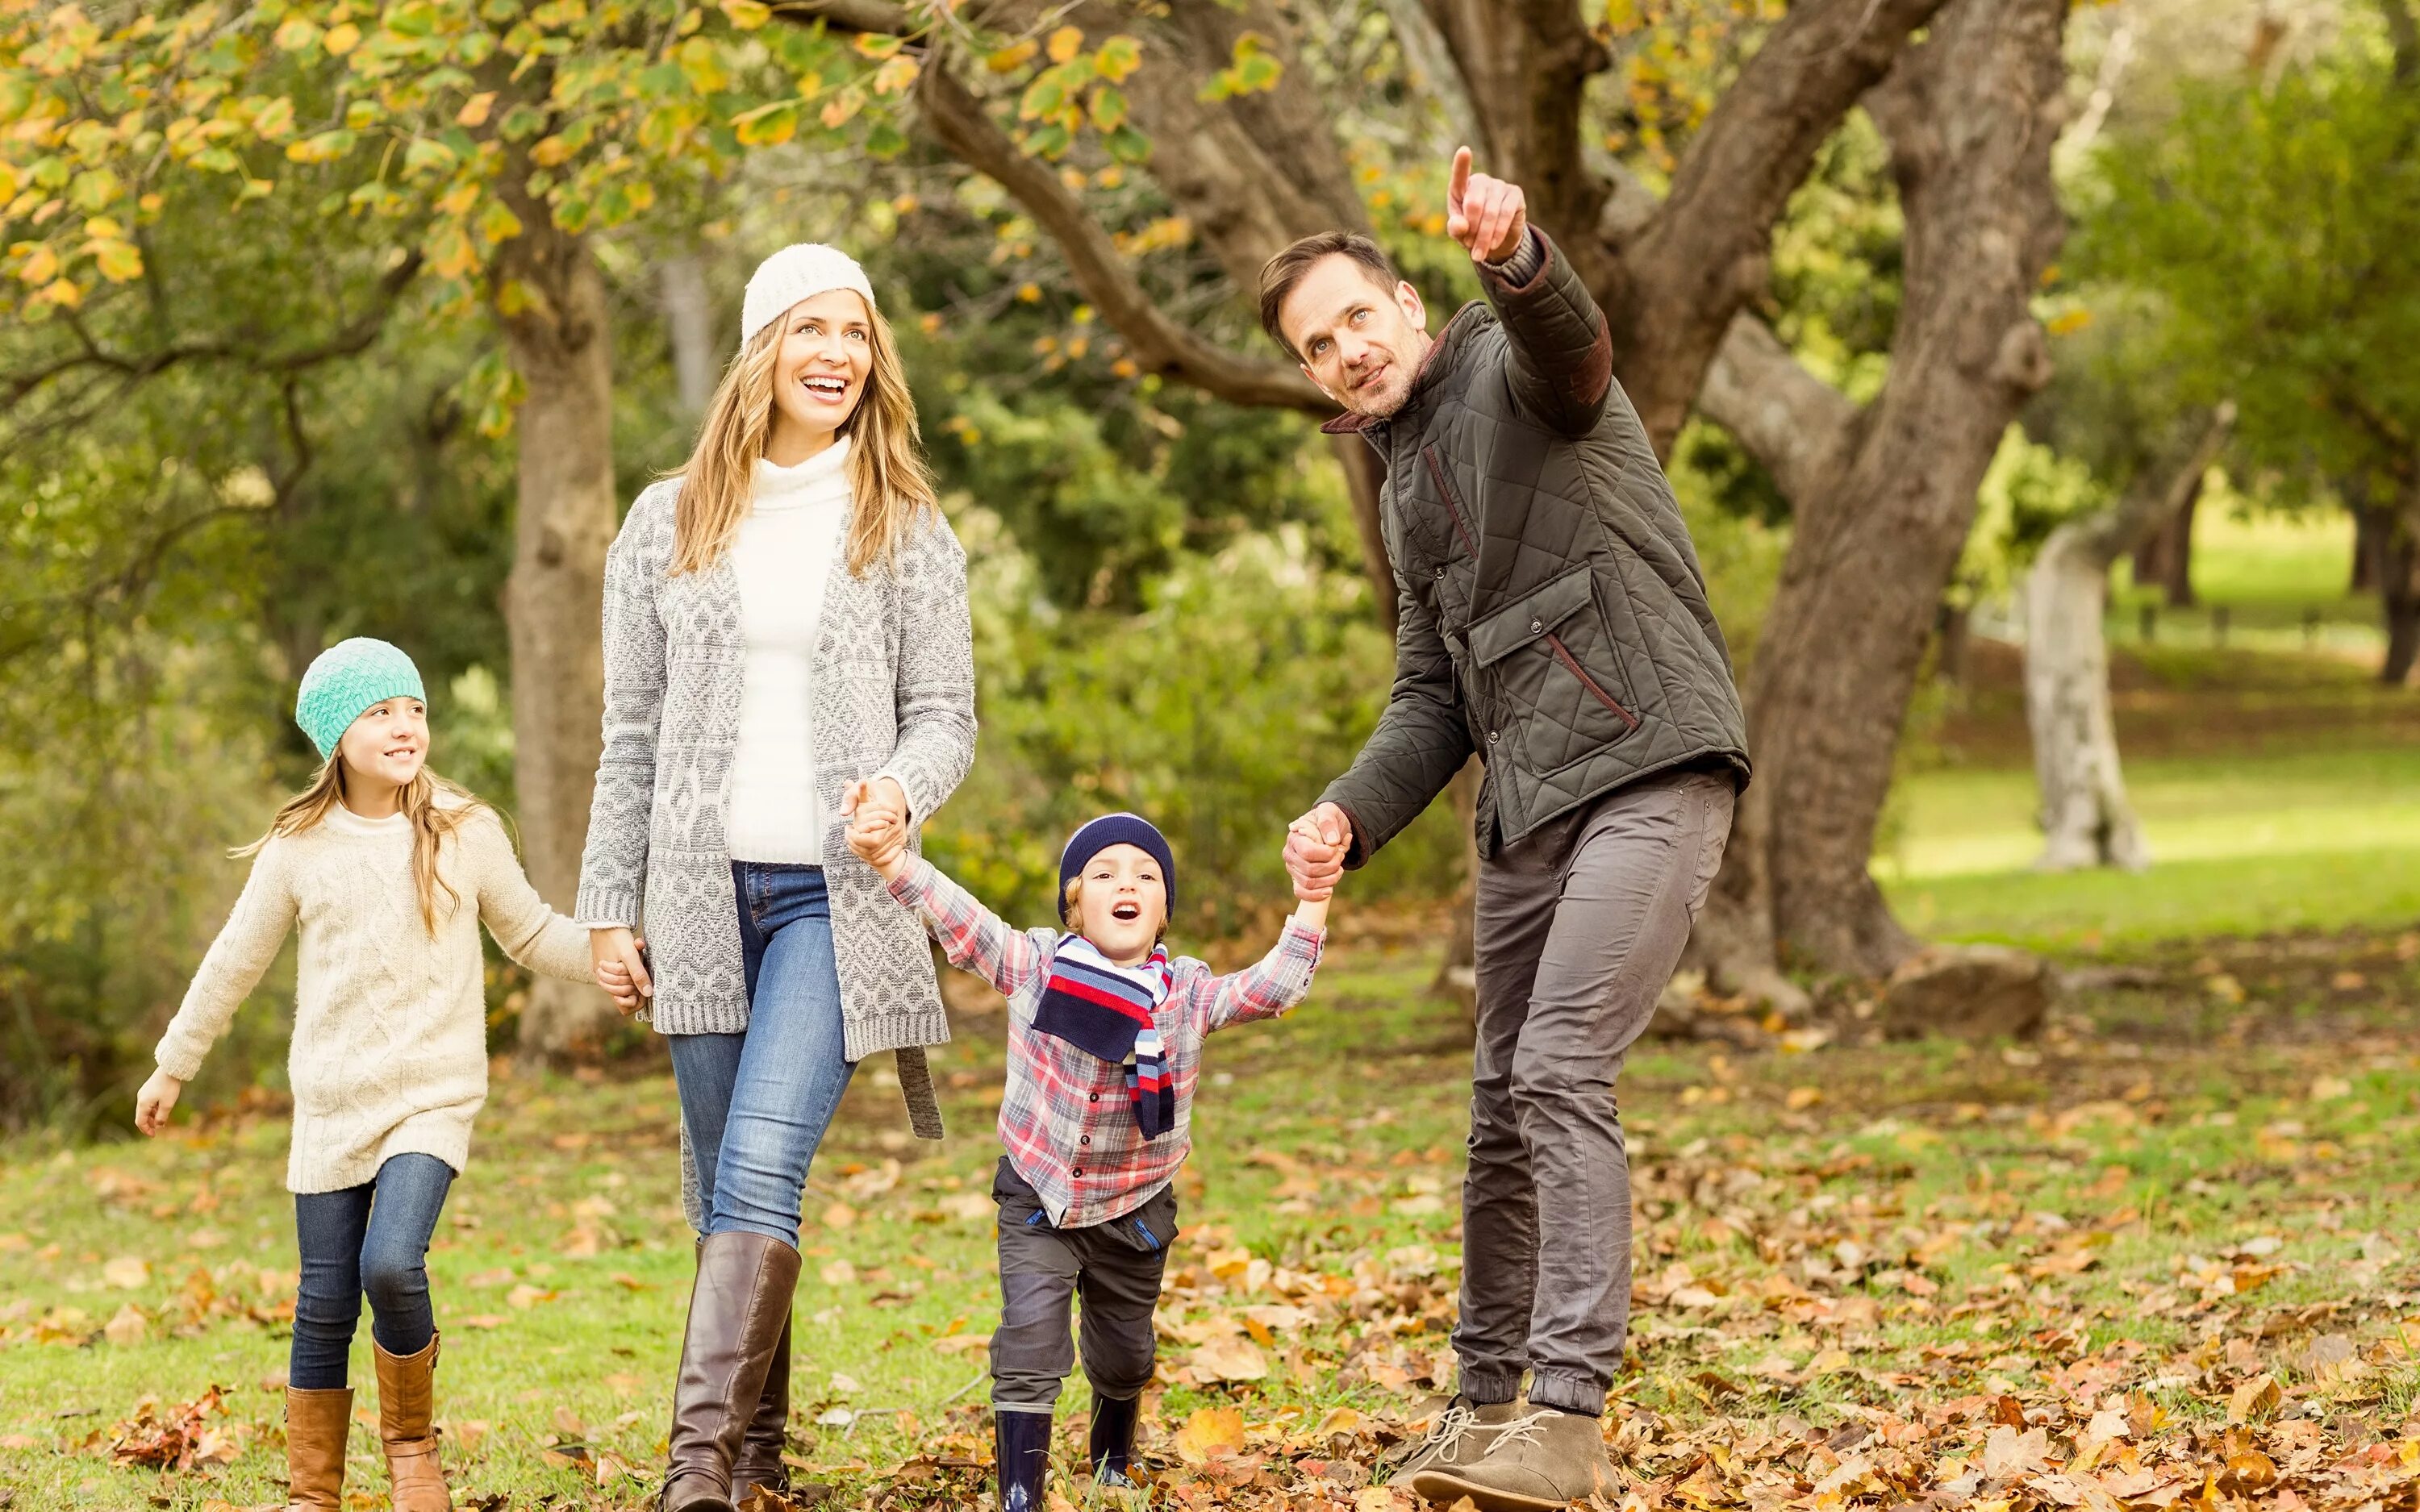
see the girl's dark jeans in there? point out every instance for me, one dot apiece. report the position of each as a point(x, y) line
point(370, 1240)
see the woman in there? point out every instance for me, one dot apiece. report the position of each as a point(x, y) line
point(785, 635)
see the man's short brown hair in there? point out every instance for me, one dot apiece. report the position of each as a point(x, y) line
point(1287, 268)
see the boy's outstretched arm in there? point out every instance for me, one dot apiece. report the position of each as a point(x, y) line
point(1278, 979)
point(972, 936)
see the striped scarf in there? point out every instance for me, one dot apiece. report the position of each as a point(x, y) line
point(1105, 1010)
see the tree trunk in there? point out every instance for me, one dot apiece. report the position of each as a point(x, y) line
point(2164, 559)
point(689, 322)
point(1970, 113)
point(2364, 548)
point(2086, 818)
point(2398, 586)
point(557, 331)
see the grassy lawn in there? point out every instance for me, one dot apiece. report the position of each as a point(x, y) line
point(1905, 1271)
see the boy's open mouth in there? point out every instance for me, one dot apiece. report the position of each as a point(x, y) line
point(1126, 913)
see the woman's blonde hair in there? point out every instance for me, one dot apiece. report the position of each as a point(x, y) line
point(431, 821)
point(886, 473)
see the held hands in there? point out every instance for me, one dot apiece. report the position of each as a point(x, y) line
point(877, 824)
point(1314, 852)
point(621, 966)
point(1486, 215)
point(156, 1101)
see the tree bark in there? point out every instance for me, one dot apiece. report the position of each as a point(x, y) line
point(551, 299)
point(2398, 586)
point(1971, 115)
point(2165, 558)
point(2086, 818)
point(688, 324)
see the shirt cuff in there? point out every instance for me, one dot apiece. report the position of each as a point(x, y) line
point(909, 886)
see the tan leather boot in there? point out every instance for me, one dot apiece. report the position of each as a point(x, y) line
point(406, 1400)
point(315, 1425)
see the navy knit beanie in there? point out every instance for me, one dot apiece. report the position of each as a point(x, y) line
point(1098, 835)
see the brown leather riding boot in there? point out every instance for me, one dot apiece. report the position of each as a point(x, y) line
point(759, 1462)
point(315, 1425)
point(406, 1400)
point(738, 1314)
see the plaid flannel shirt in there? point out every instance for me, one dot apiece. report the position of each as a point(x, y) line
point(1066, 1119)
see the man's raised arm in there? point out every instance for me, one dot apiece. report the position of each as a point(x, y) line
point(1563, 354)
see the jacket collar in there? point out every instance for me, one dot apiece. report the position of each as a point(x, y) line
point(1436, 362)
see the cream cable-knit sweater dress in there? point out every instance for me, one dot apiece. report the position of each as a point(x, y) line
point(390, 1052)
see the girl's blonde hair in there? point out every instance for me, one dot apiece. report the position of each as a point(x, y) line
point(886, 473)
point(431, 821)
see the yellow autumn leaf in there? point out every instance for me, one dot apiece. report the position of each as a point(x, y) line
point(64, 292)
point(896, 75)
point(40, 265)
point(296, 34)
point(474, 110)
point(274, 119)
point(342, 39)
point(747, 14)
point(1065, 42)
point(1009, 59)
point(120, 262)
point(1211, 1430)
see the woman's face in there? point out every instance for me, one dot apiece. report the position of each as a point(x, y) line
point(820, 370)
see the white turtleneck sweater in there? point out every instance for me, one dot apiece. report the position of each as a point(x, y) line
point(783, 553)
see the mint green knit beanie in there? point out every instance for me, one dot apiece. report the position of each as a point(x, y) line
point(347, 678)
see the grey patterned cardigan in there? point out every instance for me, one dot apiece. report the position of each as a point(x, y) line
point(894, 690)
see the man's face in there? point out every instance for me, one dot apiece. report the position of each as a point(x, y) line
point(1359, 341)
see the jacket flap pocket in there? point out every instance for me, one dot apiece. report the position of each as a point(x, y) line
point(1525, 619)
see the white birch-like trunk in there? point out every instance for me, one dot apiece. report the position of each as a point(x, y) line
point(2087, 819)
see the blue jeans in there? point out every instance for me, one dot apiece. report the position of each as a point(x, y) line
point(756, 1104)
point(369, 1240)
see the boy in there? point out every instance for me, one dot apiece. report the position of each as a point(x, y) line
point(1104, 1049)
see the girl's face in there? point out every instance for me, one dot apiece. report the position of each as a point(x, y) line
point(1123, 904)
point(819, 372)
point(387, 743)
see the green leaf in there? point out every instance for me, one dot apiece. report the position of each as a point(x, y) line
point(1128, 144)
point(1049, 142)
point(1109, 108)
point(885, 140)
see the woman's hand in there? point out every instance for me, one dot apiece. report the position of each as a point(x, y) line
point(621, 969)
point(877, 824)
point(156, 1101)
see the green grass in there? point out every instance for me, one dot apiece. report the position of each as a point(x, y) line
point(2282, 580)
point(1822, 1233)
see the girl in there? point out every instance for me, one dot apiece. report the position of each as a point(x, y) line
point(389, 869)
point(785, 620)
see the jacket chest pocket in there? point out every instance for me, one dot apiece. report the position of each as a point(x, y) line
point(1554, 664)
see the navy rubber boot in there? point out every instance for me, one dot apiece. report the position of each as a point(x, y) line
point(1022, 1443)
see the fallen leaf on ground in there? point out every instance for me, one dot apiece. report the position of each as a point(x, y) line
point(1229, 1359)
point(1211, 1430)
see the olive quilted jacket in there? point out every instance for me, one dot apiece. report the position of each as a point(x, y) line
point(1553, 617)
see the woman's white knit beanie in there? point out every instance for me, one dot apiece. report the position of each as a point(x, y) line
point(796, 272)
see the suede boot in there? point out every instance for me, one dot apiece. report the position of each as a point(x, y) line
point(1543, 1459)
point(407, 1401)
point(759, 1462)
point(317, 1423)
point(738, 1314)
point(1460, 1434)
point(1022, 1443)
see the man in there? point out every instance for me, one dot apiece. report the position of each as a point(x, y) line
point(1554, 622)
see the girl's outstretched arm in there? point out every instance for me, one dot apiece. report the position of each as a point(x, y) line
point(237, 960)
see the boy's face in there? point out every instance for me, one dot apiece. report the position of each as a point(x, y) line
point(1121, 904)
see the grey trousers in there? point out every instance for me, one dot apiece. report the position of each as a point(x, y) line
point(1115, 1266)
point(1579, 927)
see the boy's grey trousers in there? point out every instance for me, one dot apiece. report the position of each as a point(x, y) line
point(1579, 925)
point(1114, 1267)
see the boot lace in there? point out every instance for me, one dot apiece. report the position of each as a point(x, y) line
point(1522, 1429)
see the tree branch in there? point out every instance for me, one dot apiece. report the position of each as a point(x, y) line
point(1526, 69)
point(1798, 428)
point(959, 122)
